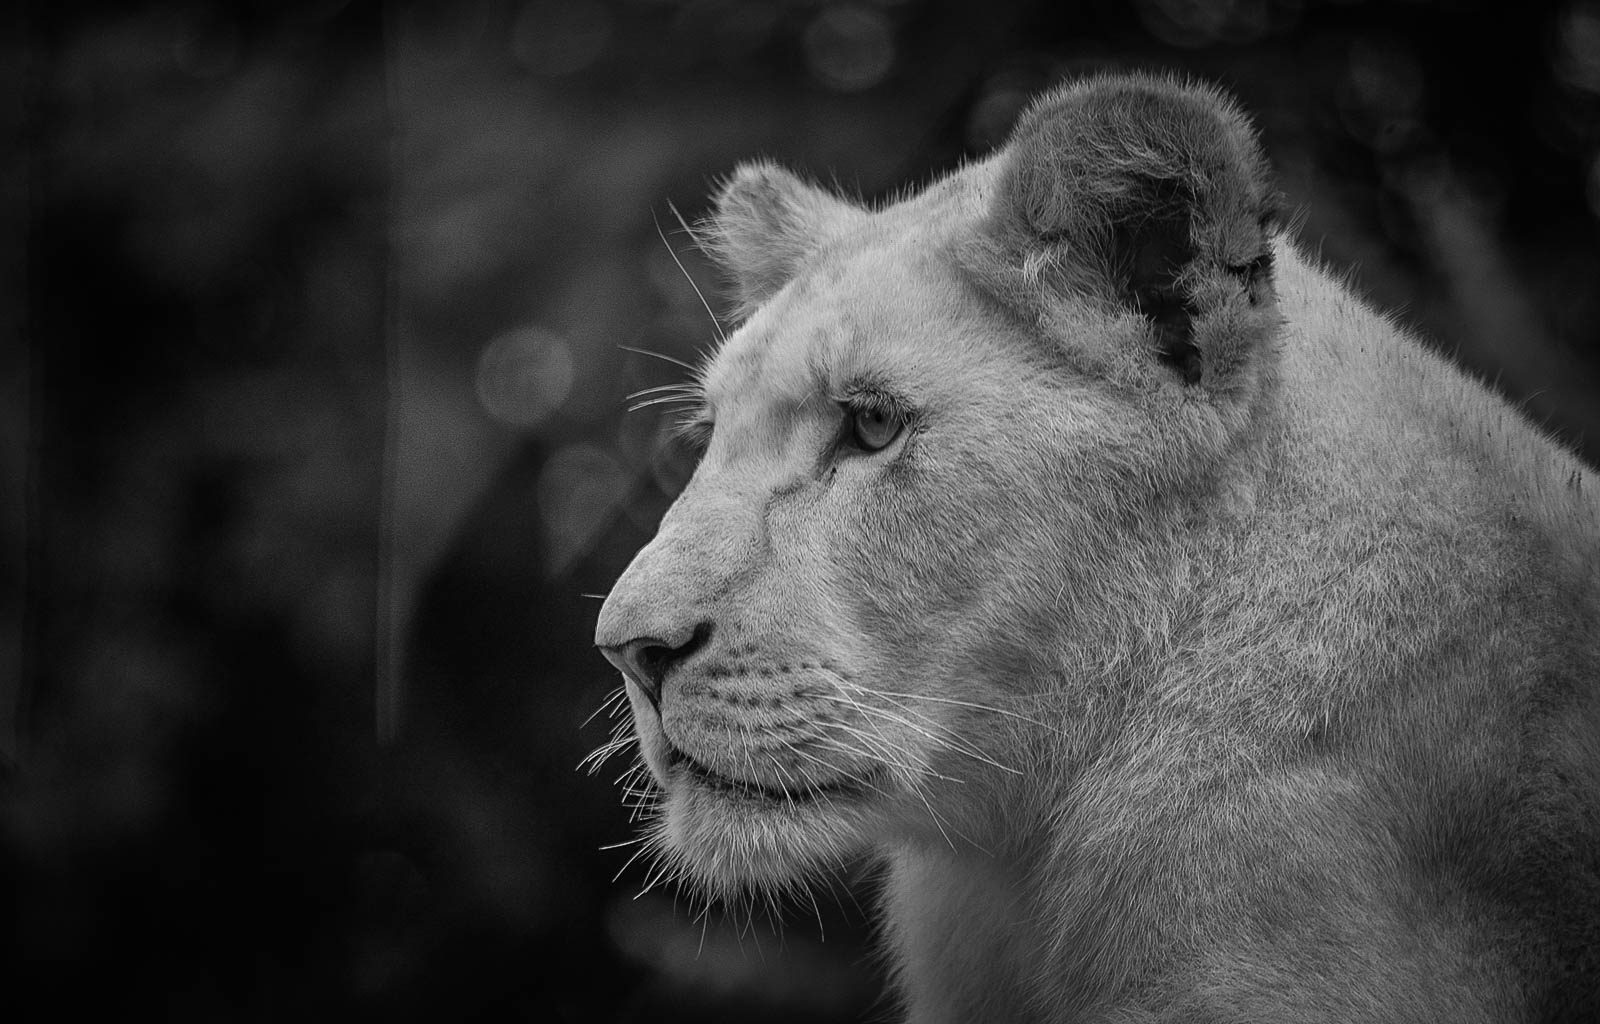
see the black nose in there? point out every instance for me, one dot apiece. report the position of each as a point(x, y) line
point(645, 660)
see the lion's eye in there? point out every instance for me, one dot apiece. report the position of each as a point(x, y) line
point(875, 428)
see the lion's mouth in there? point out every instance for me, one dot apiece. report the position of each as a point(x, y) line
point(808, 792)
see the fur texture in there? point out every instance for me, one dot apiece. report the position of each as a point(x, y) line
point(1199, 648)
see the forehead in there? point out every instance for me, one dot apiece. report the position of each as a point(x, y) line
point(885, 301)
point(874, 310)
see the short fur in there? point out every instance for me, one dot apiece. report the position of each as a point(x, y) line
point(1202, 648)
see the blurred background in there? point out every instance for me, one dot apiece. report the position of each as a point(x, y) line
point(319, 320)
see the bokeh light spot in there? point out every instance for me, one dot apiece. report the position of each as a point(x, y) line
point(524, 375)
point(849, 48)
point(560, 37)
point(992, 117)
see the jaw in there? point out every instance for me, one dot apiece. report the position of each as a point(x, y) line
point(734, 836)
point(733, 839)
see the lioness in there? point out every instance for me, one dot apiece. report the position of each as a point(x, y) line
point(1190, 643)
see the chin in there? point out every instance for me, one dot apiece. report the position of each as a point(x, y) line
point(735, 838)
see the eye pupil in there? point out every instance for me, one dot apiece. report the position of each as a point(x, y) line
point(875, 428)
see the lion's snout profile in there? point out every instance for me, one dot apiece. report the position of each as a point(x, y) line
point(661, 611)
point(1188, 642)
point(646, 632)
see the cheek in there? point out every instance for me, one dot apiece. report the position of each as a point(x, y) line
point(912, 559)
point(960, 533)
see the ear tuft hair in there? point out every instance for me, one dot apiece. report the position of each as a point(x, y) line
point(1145, 191)
point(764, 224)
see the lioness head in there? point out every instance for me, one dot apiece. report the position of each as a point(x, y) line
point(943, 456)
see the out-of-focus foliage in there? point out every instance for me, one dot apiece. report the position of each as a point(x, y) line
point(313, 451)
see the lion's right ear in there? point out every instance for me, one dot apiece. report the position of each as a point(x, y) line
point(766, 221)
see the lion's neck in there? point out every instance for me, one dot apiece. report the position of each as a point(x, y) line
point(960, 926)
point(1019, 930)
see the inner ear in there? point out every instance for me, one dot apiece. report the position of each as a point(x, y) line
point(1148, 257)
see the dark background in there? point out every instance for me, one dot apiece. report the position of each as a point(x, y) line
point(312, 439)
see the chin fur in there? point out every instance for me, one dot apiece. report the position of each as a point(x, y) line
point(732, 843)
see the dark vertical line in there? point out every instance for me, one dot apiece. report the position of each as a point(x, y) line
point(389, 691)
point(30, 663)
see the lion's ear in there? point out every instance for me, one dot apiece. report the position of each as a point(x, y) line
point(1146, 192)
point(765, 222)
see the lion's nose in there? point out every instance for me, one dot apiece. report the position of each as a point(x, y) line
point(645, 660)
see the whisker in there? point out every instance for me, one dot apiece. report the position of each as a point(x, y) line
point(715, 323)
point(954, 740)
point(962, 703)
point(603, 753)
point(833, 875)
point(879, 748)
point(852, 776)
point(867, 712)
point(663, 400)
point(661, 355)
point(629, 863)
point(689, 388)
point(655, 876)
point(611, 698)
point(810, 896)
point(951, 739)
point(793, 783)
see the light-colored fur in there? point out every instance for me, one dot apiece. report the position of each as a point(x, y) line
point(1234, 662)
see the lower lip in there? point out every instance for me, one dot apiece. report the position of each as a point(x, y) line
point(762, 794)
